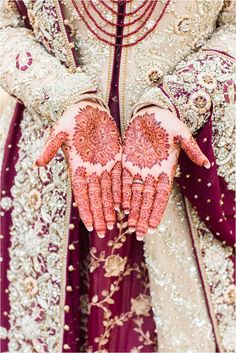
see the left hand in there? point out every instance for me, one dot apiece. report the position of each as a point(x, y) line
point(152, 144)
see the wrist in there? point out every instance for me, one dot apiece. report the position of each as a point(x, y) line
point(85, 97)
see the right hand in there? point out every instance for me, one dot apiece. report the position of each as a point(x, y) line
point(91, 142)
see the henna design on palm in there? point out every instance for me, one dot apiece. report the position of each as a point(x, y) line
point(91, 143)
point(151, 147)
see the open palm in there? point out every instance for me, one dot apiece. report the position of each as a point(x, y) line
point(90, 140)
point(151, 148)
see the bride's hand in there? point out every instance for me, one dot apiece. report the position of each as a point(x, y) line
point(91, 142)
point(151, 148)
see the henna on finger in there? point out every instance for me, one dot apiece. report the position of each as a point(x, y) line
point(52, 145)
point(95, 198)
point(146, 207)
point(127, 180)
point(191, 148)
point(163, 189)
point(80, 190)
point(107, 200)
point(116, 176)
point(136, 200)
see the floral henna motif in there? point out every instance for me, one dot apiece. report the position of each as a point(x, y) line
point(148, 142)
point(96, 138)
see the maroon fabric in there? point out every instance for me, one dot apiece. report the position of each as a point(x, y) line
point(122, 338)
point(199, 185)
point(23, 12)
point(202, 282)
point(75, 318)
point(7, 177)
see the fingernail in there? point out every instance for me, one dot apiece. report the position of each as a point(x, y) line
point(90, 228)
point(101, 235)
point(110, 226)
point(131, 230)
point(151, 230)
point(126, 212)
point(207, 165)
point(39, 163)
point(139, 238)
point(117, 208)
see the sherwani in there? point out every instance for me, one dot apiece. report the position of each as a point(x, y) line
point(66, 290)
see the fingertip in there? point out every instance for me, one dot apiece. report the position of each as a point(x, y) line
point(126, 211)
point(117, 208)
point(151, 230)
point(110, 226)
point(131, 230)
point(38, 163)
point(101, 235)
point(90, 228)
point(139, 238)
point(207, 164)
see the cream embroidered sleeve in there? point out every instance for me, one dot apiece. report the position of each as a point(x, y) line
point(28, 72)
point(203, 83)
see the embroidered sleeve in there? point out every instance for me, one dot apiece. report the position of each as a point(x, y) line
point(204, 81)
point(32, 75)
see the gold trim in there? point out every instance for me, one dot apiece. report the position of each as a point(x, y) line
point(110, 64)
point(64, 245)
point(123, 76)
point(204, 277)
point(80, 96)
point(71, 62)
point(218, 53)
point(173, 100)
point(65, 239)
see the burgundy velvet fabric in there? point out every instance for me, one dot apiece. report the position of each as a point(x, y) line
point(7, 177)
point(207, 191)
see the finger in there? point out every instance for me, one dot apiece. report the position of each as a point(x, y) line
point(127, 180)
point(193, 151)
point(117, 185)
point(95, 198)
point(52, 145)
point(80, 190)
point(146, 207)
point(136, 200)
point(107, 200)
point(160, 201)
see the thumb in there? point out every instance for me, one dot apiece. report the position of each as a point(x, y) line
point(193, 151)
point(52, 145)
